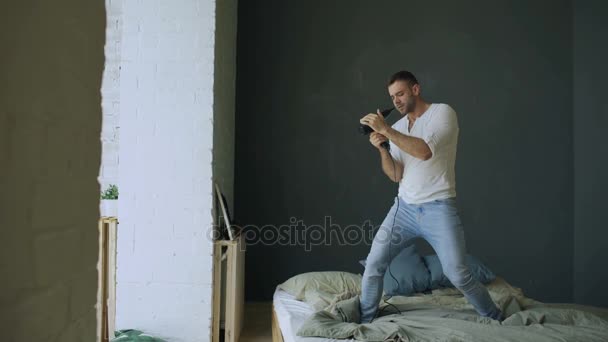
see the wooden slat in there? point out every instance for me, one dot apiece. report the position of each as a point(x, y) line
point(100, 298)
point(239, 295)
point(230, 295)
point(107, 278)
point(234, 286)
point(217, 289)
point(105, 272)
point(111, 284)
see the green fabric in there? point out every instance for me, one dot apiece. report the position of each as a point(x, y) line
point(446, 316)
point(348, 310)
point(318, 299)
point(131, 335)
point(331, 282)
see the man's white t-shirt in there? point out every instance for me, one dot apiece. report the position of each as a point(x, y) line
point(433, 179)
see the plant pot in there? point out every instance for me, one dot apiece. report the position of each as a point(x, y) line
point(109, 208)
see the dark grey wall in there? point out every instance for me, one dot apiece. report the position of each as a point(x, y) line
point(308, 70)
point(224, 89)
point(591, 152)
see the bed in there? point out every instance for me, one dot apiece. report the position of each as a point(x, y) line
point(288, 315)
point(443, 315)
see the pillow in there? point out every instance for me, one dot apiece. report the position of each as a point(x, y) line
point(479, 271)
point(320, 300)
point(330, 282)
point(409, 270)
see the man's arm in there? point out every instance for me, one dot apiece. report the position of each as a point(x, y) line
point(413, 146)
point(392, 168)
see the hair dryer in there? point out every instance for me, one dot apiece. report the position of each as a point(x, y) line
point(365, 129)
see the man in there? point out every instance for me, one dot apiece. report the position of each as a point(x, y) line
point(421, 158)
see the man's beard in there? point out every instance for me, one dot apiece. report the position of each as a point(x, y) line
point(410, 106)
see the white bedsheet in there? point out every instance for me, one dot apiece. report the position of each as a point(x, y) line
point(291, 314)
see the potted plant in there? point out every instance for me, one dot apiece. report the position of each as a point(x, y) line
point(109, 199)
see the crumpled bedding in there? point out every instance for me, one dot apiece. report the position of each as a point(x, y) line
point(445, 315)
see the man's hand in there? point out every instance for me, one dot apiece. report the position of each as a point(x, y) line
point(376, 139)
point(375, 121)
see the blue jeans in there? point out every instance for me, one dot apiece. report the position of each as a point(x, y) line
point(438, 223)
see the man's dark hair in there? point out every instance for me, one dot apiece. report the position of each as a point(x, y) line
point(403, 76)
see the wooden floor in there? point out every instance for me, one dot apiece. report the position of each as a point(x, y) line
point(258, 322)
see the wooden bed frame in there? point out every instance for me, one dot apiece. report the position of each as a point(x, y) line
point(277, 335)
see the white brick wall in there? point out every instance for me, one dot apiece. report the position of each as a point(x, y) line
point(110, 91)
point(166, 110)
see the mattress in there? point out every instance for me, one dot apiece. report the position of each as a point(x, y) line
point(291, 314)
